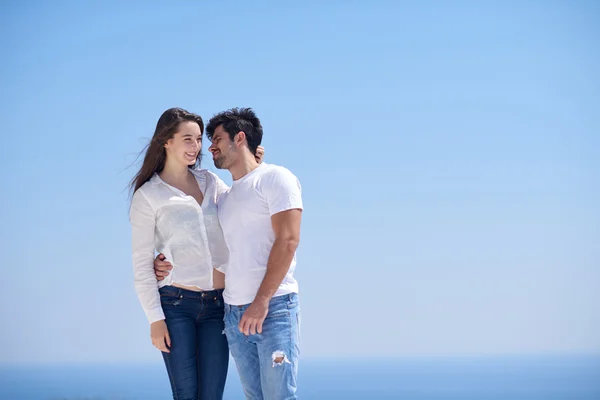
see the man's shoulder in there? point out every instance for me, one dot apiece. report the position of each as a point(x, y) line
point(273, 171)
point(277, 179)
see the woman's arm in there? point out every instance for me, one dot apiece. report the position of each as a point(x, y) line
point(142, 219)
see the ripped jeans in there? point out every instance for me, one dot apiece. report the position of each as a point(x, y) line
point(267, 362)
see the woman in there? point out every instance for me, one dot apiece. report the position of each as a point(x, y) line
point(174, 212)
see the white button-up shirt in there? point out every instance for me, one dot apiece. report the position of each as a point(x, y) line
point(167, 221)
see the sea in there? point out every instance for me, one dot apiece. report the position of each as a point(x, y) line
point(432, 378)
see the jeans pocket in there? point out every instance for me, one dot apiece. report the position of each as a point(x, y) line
point(230, 323)
point(278, 311)
point(292, 302)
point(170, 299)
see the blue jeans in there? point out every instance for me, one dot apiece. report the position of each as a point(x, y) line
point(267, 362)
point(199, 357)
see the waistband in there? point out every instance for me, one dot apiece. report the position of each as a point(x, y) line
point(175, 291)
point(292, 297)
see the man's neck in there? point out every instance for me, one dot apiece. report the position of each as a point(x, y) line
point(245, 165)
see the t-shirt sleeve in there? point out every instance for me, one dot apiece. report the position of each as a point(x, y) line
point(282, 190)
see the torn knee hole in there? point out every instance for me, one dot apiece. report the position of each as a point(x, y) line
point(279, 358)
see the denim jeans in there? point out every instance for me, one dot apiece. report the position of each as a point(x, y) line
point(199, 357)
point(267, 362)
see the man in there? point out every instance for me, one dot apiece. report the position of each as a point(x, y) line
point(260, 216)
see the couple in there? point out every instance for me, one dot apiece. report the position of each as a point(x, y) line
point(230, 253)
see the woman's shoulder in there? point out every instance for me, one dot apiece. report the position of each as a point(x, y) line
point(212, 180)
point(148, 186)
point(206, 174)
point(202, 173)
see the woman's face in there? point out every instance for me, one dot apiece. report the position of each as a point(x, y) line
point(186, 143)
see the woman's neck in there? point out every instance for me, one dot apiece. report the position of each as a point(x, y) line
point(174, 173)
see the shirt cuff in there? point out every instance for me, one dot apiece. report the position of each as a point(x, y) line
point(155, 315)
point(222, 268)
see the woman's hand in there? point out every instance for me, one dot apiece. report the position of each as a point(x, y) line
point(260, 154)
point(160, 336)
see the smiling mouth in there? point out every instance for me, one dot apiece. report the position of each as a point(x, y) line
point(191, 155)
point(216, 153)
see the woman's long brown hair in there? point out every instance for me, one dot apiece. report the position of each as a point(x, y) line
point(155, 157)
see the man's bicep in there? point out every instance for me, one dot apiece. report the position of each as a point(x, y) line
point(286, 224)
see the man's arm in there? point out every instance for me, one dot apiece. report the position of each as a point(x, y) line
point(286, 226)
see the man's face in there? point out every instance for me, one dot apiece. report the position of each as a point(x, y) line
point(223, 149)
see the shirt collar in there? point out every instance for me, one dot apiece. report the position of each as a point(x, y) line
point(198, 173)
point(155, 180)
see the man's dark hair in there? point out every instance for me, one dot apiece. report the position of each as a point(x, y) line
point(235, 120)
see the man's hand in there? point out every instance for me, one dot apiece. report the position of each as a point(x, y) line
point(252, 320)
point(161, 267)
point(260, 154)
point(160, 336)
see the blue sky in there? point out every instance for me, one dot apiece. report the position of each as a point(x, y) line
point(448, 152)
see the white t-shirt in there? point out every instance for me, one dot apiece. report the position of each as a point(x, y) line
point(245, 214)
